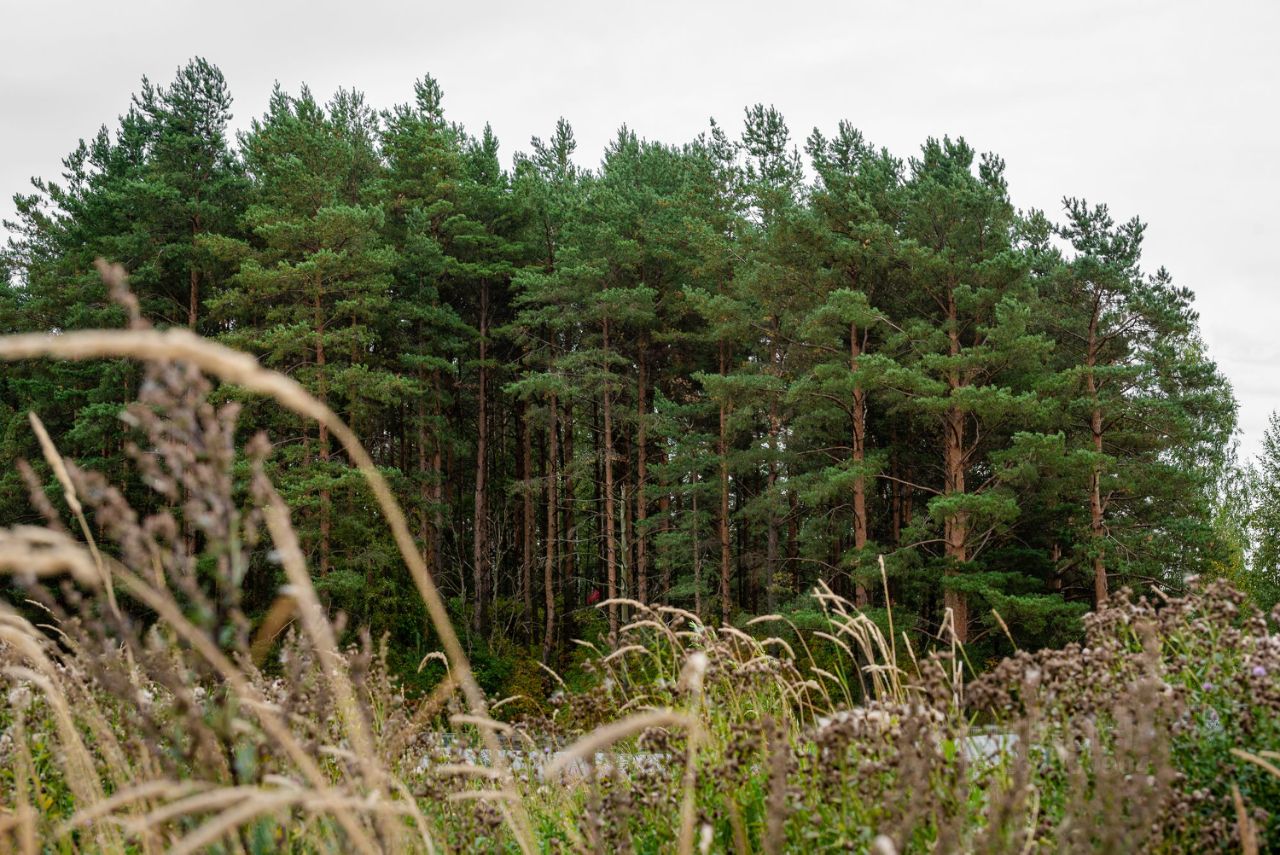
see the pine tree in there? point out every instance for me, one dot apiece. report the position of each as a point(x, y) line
point(148, 196)
point(751, 305)
point(547, 185)
point(486, 254)
point(309, 297)
point(1133, 374)
point(714, 226)
point(852, 236)
point(192, 191)
point(420, 193)
point(766, 290)
point(969, 356)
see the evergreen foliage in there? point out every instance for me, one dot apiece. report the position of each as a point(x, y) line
point(709, 375)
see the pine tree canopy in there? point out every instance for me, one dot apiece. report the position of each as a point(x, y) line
point(712, 374)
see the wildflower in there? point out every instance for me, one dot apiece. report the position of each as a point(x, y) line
point(20, 697)
point(1259, 671)
point(883, 845)
point(1206, 686)
point(705, 838)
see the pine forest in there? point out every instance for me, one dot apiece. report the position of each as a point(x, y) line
point(753, 386)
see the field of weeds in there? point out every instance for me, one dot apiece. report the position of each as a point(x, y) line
point(144, 712)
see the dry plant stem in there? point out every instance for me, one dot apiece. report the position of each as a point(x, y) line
point(121, 798)
point(229, 820)
point(426, 709)
point(1257, 761)
point(23, 772)
point(321, 633)
point(22, 824)
point(694, 671)
point(552, 672)
point(259, 802)
point(479, 795)
point(740, 844)
point(54, 459)
point(31, 551)
point(108, 746)
point(278, 616)
point(888, 607)
point(243, 370)
point(415, 812)
point(248, 694)
point(465, 769)
point(1005, 627)
point(201, 802)
point(23, 768)
point(82, 777)
point(482, 723)
point(602, 737)
point(1244, 826)
point(794, 628)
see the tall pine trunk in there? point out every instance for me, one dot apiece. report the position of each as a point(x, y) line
point(549, 567)
point(437, 477)
point(610, 535)
point(860, 596)
point(664, 526)
point(640, 535)
point(775, 427)
point(725, 551)
point(479, 546)
point(697, 552)
point(527, 523)
point(1097, 527)
point(323, 394)
point(627, 582)
point(956, 525)
point(793, 540)
point(425, 534)
point(569, 559)
point(193, 296)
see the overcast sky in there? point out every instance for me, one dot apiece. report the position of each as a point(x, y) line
point(1169, 110)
